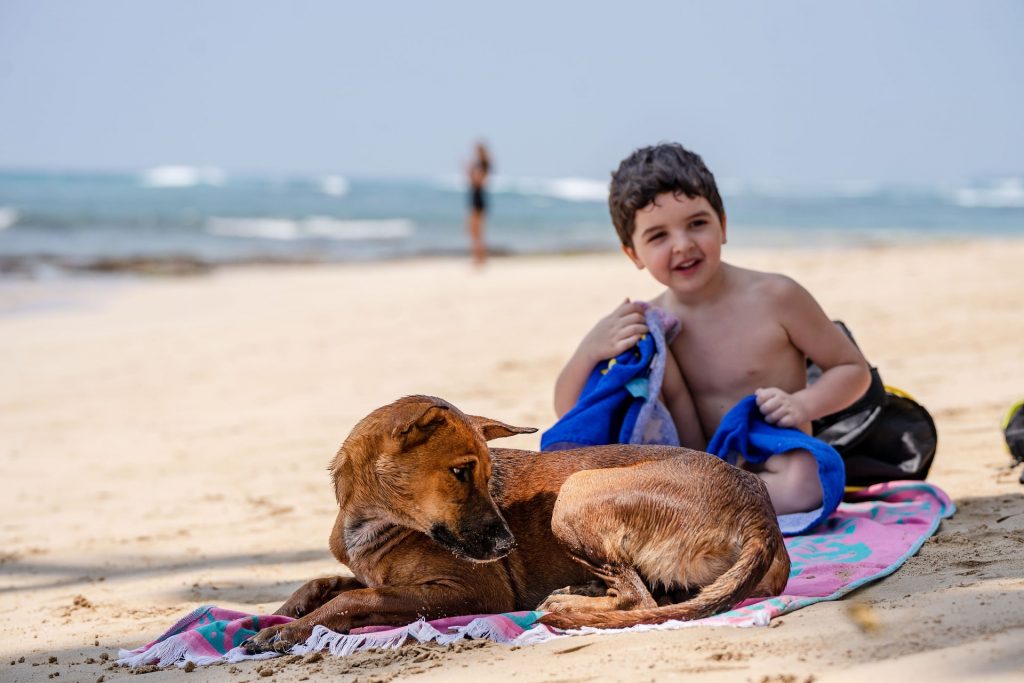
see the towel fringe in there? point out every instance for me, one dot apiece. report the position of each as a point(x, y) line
point(341, 644)
point(538, 634)
point(233, 656)
point(168, 652)
point(478, 628)
point(175, 651)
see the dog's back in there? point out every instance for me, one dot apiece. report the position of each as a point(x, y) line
point(681, 518)
point(525, 486)
point(689, 522)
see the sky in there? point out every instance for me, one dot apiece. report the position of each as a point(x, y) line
point(791, 91)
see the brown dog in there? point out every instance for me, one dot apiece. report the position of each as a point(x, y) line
point(432, 523)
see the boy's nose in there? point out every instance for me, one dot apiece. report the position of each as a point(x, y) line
point(681, 242)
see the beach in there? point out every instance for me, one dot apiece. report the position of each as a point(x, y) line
point(164, 444)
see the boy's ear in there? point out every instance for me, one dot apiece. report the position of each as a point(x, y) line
point(724, 240)
point(631, 253)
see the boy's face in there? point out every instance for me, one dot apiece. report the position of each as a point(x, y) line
point(679, 240)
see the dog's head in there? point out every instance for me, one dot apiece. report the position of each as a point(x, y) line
point(425, 465)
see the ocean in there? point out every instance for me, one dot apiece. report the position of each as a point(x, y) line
point(53, 223)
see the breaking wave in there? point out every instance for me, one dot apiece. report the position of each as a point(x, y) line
point(313, 227)
point(1004, 193)
point(183, 176)
point(567, 189)
point(8, 217)
point(334, 185)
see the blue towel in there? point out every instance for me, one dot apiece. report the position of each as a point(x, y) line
point(621, 401)
point(744, 431)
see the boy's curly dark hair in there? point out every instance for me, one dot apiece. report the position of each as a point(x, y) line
point(650, 171)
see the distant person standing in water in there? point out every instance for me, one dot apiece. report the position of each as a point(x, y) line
point(478, 171)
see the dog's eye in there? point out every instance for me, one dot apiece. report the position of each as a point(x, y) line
point(462, 473)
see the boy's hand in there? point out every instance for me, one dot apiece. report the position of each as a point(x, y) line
point(780, 408)
point(615, 333)
point(612, 335)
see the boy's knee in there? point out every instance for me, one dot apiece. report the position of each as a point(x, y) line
point(808, 494)
point(804, 482)
point(798, 486)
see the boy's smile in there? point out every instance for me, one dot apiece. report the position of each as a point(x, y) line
point(687, 266)
point(679, 239)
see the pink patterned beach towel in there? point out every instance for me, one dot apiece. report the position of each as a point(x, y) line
point(867, 538)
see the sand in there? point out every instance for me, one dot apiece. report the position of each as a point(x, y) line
point(163, 444)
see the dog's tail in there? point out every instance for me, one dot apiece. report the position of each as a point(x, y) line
point(760, 548)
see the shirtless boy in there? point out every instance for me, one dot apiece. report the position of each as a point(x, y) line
point(743, 332)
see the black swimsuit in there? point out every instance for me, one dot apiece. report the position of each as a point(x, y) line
point(477, 200)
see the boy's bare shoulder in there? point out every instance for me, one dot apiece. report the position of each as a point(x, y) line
point(768, 286)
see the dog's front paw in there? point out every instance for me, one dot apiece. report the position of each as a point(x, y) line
point(279, 638)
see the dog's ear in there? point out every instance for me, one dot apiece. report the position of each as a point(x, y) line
point(493, 429)
point(342, 473)
point(415, 422)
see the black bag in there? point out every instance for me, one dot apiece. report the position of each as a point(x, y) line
point(884, 436)
point(1013, 431)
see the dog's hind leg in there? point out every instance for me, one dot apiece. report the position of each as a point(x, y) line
point(625, 590)
point(315, 593)
point(593, 589)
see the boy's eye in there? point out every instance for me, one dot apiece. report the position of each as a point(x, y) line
point(656, 236)
point(699, 223)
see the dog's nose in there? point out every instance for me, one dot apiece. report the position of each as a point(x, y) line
point(504, 545)
point(503, 539)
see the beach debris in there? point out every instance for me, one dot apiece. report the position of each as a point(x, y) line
point(728, 656)
point(574, 648)
point(77, 603)
point(864, 616)
point(167, 265)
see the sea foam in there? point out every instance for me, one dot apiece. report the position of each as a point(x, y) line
point(1003, 193)
point(183, 176)
point(823, 190)
point(313, 227)
point(570, 189)
point(334, 185)
point(8, 217)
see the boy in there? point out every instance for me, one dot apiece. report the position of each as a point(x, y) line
point(743, 331)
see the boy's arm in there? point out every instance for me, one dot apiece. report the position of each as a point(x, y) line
point(612, 335)
point(845, 375)
point(680, 405)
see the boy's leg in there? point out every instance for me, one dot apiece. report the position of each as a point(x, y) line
point(792, 481)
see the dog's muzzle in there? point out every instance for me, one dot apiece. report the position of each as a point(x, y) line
point(484, 543)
